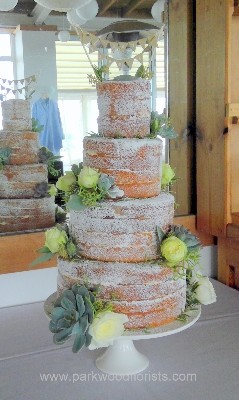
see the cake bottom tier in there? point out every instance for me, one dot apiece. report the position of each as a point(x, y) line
point(146, 292)
point(17, 215)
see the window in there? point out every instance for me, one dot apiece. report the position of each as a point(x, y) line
point(6, 66)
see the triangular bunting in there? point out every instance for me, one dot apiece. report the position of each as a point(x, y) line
point(92, 49)
point(122, 46)
point(129, 62)
point(23, 80)
point(114, 45)
point(142, 42)
point(132, 45)
point(119, 63)
point(140, 57)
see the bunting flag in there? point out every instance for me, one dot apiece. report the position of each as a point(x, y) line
point(6, 85)
point(94, 43)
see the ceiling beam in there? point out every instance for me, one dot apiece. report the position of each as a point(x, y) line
point(132, 6)
point(105, 7)
point(40, 14)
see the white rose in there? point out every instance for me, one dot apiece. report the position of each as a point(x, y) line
point(105, 327)
point(205, 292)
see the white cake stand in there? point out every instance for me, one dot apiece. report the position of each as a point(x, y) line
point(122, 358)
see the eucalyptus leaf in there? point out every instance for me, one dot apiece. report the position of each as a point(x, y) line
point(43, 258)
point(75, 203)
point(44, 249)
point(62, 336)
point(78, 343)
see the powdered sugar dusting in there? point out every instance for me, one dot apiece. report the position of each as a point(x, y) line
point(124, 108)
point(123, 230)
point(19, 181)
point(135, 164)
point(16, 115)
point(24, 146)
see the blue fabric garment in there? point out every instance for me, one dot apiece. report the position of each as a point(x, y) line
point(46, 112)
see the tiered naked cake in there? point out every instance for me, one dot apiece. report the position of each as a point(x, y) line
point(118, 239)
point(21, 208)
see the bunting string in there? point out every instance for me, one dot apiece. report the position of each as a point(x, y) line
point(16, 85)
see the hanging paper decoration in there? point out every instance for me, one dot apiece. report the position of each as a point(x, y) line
point(19, 86)
point(7, 5)
point(62, 5)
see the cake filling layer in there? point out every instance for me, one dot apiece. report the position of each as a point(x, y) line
point(123, 230)
point(135, 164)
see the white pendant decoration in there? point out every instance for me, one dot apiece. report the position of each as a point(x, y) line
point(61, 5)
point(64, 36)
point(157, 10)
point(74, 18)
point(7, 5)
point(89, 11)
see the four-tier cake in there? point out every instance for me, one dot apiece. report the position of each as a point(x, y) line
point(21, 206)
point(117, 239)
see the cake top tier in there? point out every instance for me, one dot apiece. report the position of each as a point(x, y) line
point(124, 108)
point(16, 114)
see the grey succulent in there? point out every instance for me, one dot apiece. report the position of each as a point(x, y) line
point(41, 190)
point(191, 241)
point(72, 314)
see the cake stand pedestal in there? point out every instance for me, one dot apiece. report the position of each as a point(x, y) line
point(122, 358)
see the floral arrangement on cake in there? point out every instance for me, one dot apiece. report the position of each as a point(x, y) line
point(5, 154)
point(78, 312)
point(85, 186)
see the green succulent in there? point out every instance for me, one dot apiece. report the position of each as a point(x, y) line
point(47, 157)
point(144, 73)
point(161, 125)
point(5, 154)
point(191, 241)
point(72, 314)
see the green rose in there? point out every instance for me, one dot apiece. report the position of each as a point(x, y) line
point(88, 177)
point(65, 182)
point(167, 175)
point(173, 250)
point(55, 238)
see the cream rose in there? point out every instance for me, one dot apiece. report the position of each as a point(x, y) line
point(105, 327)
point(205, 292)
point(173, 250)
point(167, 174)
point(65, 182)
point(55, 239)
point(88, 177)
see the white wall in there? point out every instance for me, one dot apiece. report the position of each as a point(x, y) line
point(35, 54)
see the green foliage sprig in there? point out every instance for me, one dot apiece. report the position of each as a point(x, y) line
point(87, 187)
point(144, 73)
point(57, 241)
point(36, 127)
point(5, 154)
point(47, 157)
point(161, 125)
point(181, 252)
point(98, 74)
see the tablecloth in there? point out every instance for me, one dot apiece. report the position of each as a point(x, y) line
point(201, 362)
